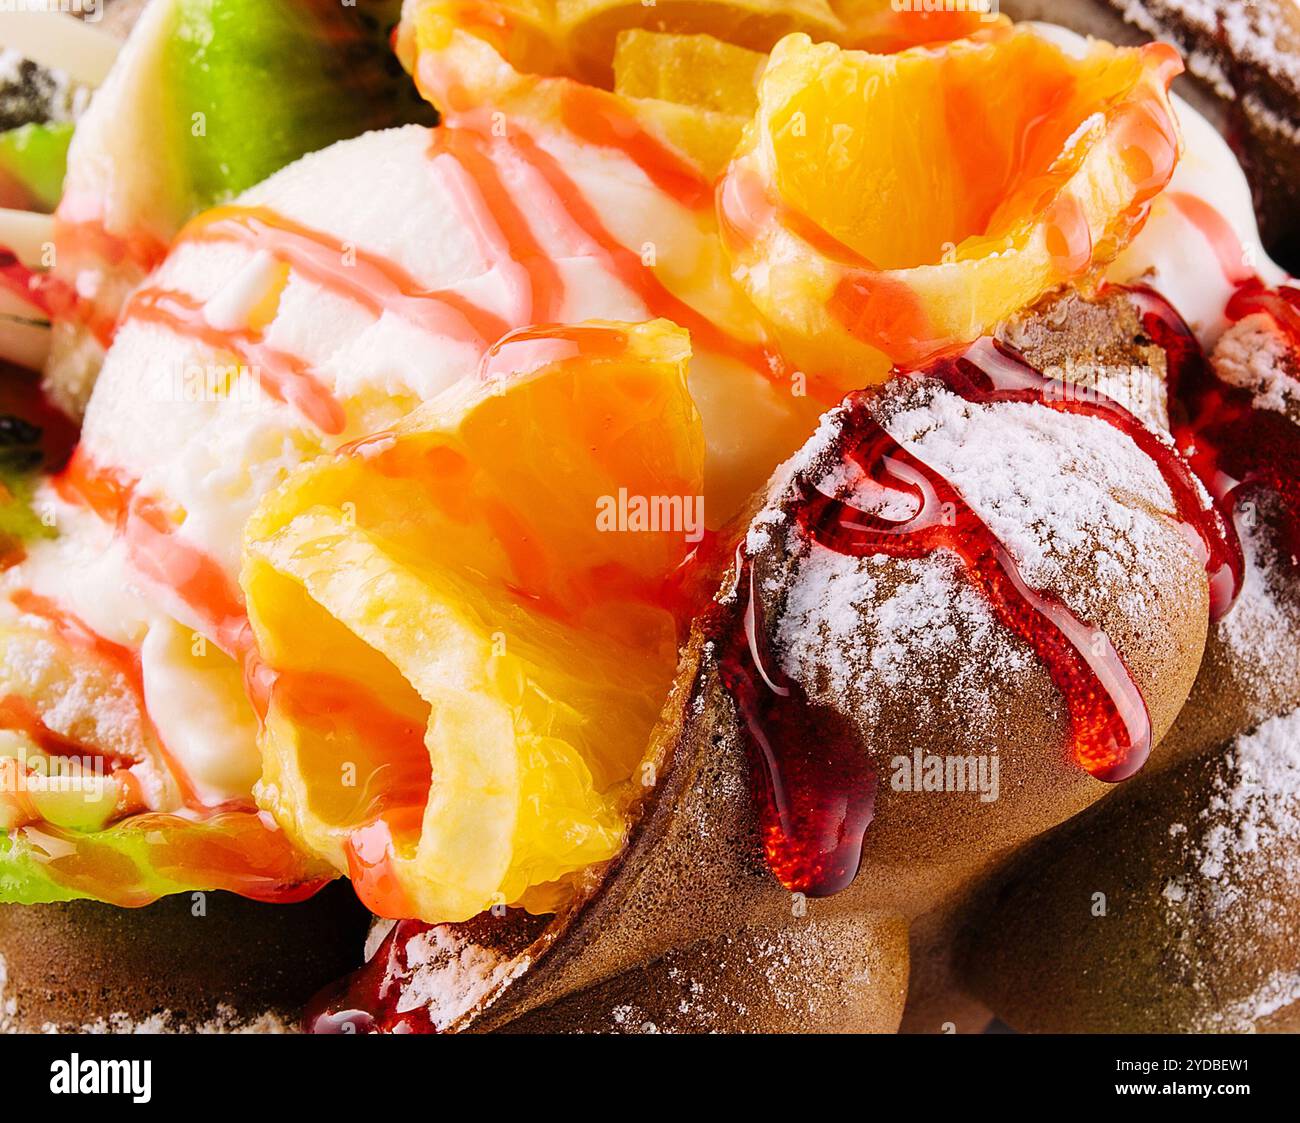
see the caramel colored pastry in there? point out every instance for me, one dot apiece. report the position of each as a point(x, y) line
point(207, 962)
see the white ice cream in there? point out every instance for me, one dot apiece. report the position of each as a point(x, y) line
point(211, 458)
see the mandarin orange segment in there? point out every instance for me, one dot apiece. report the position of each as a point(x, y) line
point(695, 70)
point(465, 644)
point(884, 26)
point(581, 38)
point(463, 73)
point(590, 28)
point(886, 207)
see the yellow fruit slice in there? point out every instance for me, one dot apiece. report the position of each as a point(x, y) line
point(695, 70)
point(522, 31)
point(578, 38)
point(465, 646)
point(884, 26)
point(887, 207)
point(465, 74)
point(590, 28)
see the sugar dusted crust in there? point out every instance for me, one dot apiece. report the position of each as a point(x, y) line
point(1207, 939)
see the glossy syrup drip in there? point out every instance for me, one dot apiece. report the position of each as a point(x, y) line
point(1238, 451)
point(366, 1001)
point(814, 788)
point(993, 372)
point(43, 292)
point(814, 784)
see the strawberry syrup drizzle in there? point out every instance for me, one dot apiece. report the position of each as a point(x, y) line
point(125, 662)
point(285, 377)
point(815, 787)
point(157, 551)
point(47, 294)
point(366, 1001)
point(1237, 450)
point(373, 281)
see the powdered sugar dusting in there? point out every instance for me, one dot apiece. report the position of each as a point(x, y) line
point(1260, 629)
point(451, 975)
point(839, 639)
point(1252, 33)
point(1251, 823)
point(1256, 804)
point(790, 976)
point(1053, 487)
point(1071, 497)
point(1255, 355)
point(226, 1020)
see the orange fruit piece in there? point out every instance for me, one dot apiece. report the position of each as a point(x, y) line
point(590, 28)
point(884, 208)
point(884, 26)
point(695, 70)
point(465, 646)
point(578, 38)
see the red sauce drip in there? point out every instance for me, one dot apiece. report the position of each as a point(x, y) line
point(80, 230)
point(603, 120)
point(285, 377)
point(1218, 232)
point(56, 298)
point(991, 372)
point(1236, 450)
point(629, 268)
point(157, 551)
point(18, 713)
point(872, 305)
point(503, 230)
point(370, 279)
point(366, 1001)
point(44, 292)
point(79, 636)
point(814, 785)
